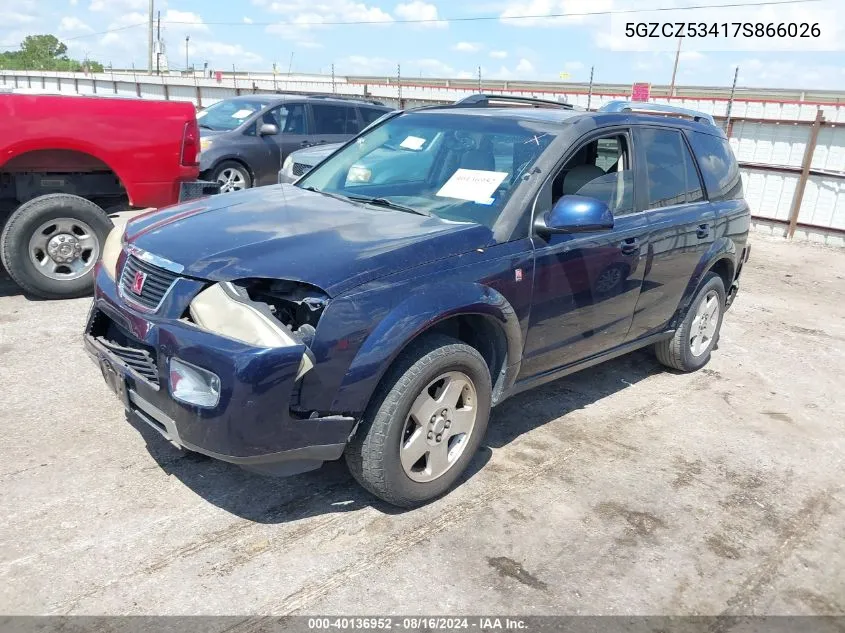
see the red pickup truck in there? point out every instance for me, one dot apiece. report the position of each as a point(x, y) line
point(66, 161)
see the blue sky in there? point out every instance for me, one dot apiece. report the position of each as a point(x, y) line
point(260, 33)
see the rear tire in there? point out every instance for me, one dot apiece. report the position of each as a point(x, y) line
point(231, 176)
point(50, 244)
point(690, 347)
point(407, 458)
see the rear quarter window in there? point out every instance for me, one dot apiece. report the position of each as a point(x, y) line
point(718, 166)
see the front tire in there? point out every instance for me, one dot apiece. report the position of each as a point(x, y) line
point(424, 424)
point(690, 347)
point(231, 176)
point(50, 244)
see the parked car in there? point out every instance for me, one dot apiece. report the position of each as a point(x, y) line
point(65, 161)
point(246, 139)
point(286, 326)
point(301, 161)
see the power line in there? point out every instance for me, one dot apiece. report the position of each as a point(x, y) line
point(484, 18)
point(479, 18)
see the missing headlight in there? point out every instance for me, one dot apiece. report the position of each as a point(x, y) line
point(298, 306)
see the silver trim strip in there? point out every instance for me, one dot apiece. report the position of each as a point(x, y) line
point(155, 260)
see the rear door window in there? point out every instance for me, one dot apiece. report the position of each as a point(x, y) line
point(334, 119)
point(718, 166)
point(671, 176)
point(368, 115)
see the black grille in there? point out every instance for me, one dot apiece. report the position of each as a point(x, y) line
point(156, 283)
point(301, 168)
point(139, 360)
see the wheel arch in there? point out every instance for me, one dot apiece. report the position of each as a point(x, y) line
point(475, 314)
point(720, 258)
point(232, 159)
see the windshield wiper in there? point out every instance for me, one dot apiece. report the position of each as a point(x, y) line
point(389, 204)
point(336, 196)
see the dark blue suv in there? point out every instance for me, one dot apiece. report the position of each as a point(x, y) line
point(440, 262)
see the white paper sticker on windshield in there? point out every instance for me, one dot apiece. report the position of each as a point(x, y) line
point(472, 184)
point(413, 142)
point(242, 114)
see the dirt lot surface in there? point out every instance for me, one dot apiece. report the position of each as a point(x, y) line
point(625, 489)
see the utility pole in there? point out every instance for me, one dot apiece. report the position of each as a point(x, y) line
point(590, 92)
point(730, 104)
point(187, 39)
point(150, 39)
point(334, 89)
point(675, 69)
point(290, 64)
point(479, 80)
point(399, 83)
point(158, 45)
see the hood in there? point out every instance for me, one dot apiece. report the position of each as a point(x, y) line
point(284, 232)
point(313, 155)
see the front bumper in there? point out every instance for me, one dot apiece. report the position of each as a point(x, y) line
point(251, 426)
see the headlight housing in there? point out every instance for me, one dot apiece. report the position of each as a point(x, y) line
point(288, 164)
point(193, 385)
point(111, 250)
point(358, 173)
point(205, 143)
point(226, 310)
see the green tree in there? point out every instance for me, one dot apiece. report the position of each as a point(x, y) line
point(44, 52)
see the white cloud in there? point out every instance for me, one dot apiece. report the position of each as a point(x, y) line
point(119, 6)
point(525, 67)
point(222, 51)
point(498, 54)
point(70, 24)
point(73, 3)
point(301, 18)
point(184, 21)
point(574, 66)
point(419, 10)
point(467, 47)
point(247, 20)
point(692, 56)
point(434, 67)
point(18, 18)
point(572, 12)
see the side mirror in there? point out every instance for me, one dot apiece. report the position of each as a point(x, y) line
point(268, 129)
point(575, 214)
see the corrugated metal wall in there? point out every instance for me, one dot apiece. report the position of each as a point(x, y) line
point(769, 138)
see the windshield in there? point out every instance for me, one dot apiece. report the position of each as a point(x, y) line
point(458, 167)
point(228, 114)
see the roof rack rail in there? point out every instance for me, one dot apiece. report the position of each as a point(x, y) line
point(482, 100)
point(659, 108)
point(321, 95)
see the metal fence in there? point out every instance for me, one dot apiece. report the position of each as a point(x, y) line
point(791, 153)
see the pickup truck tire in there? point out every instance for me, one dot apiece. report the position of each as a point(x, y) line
point(436, 374)
point(73, 229)
point(231, 176)
point(690, 347)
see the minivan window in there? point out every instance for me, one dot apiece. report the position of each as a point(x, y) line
point(371, 114)
point(334, 119)
point(718, 166)
point(228, 114)
point(665, 167)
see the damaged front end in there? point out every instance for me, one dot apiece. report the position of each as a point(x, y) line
point(216, 368)
point(263, 313)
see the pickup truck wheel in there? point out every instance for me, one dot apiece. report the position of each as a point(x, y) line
point(231, 176)
point(51, 243)
point(425, 422)
point(689, 349)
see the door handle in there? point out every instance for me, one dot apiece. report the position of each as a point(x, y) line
point(322, 142)
point(305, 144)
point(630, 246)
point(703, 231)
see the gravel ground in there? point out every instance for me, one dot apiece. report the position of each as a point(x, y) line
point(625, 489)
